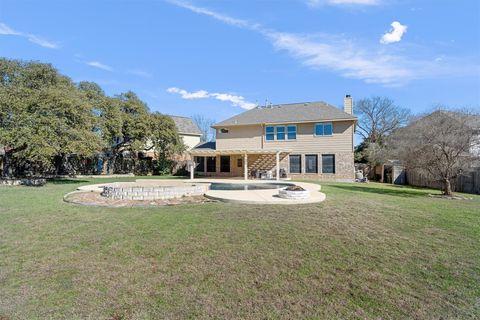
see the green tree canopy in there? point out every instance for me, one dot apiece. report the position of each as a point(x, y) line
point(42, 114)
point(46, 119)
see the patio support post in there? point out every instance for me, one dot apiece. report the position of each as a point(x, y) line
point(192, 169)
point(277, 167)
point(245, 166)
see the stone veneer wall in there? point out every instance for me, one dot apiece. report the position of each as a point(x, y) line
point(154, 193)
point(344, 166)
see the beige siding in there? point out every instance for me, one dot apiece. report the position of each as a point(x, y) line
point(241, 137)
point(252, 137)
point(190, 141)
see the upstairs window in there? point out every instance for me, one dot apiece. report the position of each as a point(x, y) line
point(280, 132)
point(323, 129)
point(292, 132)
point(270, 133)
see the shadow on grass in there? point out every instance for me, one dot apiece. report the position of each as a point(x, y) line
point(65, 181)
point(391, 190)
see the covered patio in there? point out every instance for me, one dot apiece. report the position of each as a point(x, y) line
point(253, 164)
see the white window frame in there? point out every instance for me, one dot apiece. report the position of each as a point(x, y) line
point(274, 134)
point(322, 135)
point(285, 132)
point(291, 125)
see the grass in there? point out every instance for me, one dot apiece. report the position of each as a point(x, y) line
point(369, 251)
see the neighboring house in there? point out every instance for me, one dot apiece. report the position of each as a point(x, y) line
point(188, 131)
point(299, 140)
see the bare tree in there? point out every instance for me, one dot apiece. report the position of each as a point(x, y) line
point(205, 125)
point(378, 117)
point(439, 145)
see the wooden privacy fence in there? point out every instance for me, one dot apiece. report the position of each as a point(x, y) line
point(469, 182)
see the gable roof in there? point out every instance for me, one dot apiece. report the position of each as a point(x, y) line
point(287, 113)
point(185, 125)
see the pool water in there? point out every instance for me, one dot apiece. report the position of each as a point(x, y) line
point(248, 186)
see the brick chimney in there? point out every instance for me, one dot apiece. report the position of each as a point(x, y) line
point(348, 104)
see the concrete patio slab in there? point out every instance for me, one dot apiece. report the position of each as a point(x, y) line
point(269, 196)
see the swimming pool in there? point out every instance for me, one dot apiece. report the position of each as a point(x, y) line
point(247, 186)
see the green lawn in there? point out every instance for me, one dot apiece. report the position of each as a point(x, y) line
point(369, 251)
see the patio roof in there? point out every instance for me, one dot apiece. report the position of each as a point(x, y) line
point(210, 148)
point(207, 152)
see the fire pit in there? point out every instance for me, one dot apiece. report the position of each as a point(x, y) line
point(294, 193)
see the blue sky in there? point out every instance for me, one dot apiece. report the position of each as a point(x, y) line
point(219, 58)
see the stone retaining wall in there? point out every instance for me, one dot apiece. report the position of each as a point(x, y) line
point(25, 182)
point(154, 193)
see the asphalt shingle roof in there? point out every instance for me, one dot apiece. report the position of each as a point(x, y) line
point(210, 145)
point(294, 112)
point(186, 125)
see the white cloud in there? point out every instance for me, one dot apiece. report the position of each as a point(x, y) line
point(326, 52)
point(237, 101)
point(7, 31)
point(344, 57)
point(99, 65)
point(218, 16)
point(41, 42)
point(315, 3)
point(338, 54)
point(395, 34)
point(189, 95)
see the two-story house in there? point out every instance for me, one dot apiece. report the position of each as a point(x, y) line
point(299, 140)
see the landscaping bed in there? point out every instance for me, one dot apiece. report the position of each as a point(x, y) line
point(96, 199)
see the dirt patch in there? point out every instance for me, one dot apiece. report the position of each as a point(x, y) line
point(95, 199)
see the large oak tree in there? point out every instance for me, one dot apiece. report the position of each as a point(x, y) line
point(46, 120)
point(42, 115)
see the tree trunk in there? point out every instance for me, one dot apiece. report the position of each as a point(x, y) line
point(447, 190)
point(7, 166)
point(112, 162)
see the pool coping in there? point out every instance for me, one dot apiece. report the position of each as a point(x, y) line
point(263, 197)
